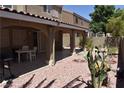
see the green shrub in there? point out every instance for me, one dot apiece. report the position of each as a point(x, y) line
point(89, 43)
point(81, 42)
point(112, 50)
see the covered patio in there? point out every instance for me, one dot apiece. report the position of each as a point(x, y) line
point(18, 29)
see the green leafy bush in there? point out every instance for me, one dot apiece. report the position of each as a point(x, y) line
point(81, 42)
point(89, 43)
point(112, 50)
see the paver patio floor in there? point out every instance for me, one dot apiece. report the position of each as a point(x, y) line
point(57, 76)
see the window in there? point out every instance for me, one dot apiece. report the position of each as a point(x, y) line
point(55, 13)
point(47, 8)
point(76, 20)
point(82, 22)
point(7, 6)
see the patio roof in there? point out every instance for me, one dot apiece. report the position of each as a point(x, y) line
point(21, 15)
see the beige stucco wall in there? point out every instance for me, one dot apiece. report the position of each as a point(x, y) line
point(63, 15)
point(38, 10)
point(19, 7)
point(98, 41)
point(66, 40)
point(41, 42)
point(19, 38)
point(77, 41)
point(67, 17)
point(57, 8)
point(4, 38)
point(81, 22)
point(86, 24)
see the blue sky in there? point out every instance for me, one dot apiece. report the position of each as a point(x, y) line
point(84, 10)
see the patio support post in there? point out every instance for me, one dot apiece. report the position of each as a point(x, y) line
point(72, 42)
point(59, 40)
point(83, 35)
point(51, 46)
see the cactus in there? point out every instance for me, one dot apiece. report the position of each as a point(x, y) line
point(98, 66)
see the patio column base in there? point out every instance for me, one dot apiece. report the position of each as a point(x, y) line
point(73, 52)
point(50, 62)
point(51, 47)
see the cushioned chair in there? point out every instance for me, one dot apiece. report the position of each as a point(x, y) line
point(6, 56)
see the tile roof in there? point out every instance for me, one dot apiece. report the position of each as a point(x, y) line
point(26, 13)
point(36, 16)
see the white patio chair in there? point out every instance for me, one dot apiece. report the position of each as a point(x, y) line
point(25, 48)
point(34, 54)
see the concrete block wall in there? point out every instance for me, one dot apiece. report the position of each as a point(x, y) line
point(98, 41)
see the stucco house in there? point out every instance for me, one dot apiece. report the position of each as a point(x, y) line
point(47, 27)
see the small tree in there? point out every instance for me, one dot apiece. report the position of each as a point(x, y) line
point(81, 41)
point(89, 43)
point(100, 17)
point(115, 24)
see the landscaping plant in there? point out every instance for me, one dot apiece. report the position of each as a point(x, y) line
point(98, 66)
point(89, 43)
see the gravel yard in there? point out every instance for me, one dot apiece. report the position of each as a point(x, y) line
point(70, 72)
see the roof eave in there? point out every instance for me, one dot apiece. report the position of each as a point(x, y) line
point(24, 17)
point(5, 14)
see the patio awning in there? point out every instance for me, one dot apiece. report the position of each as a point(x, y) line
point(24, 16)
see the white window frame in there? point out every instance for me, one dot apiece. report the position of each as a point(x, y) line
point(55, 13)
point(76, 20)
point(48, 10)
point(7, 7)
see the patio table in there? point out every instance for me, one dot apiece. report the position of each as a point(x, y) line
point(28, 52)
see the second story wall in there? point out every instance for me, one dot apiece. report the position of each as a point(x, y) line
point(20, 7)
point(67, 17)
point(38, 10)
point(53, 11)
point(50, 11)
point(73, 18)
point(15, 7)
point(45, 10)
point(86, 24)
point(79, 20)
